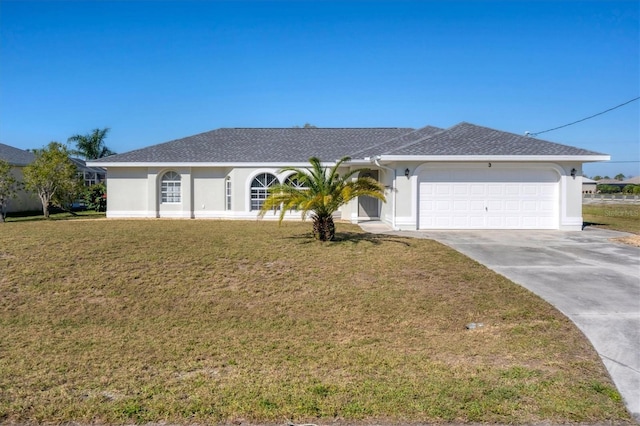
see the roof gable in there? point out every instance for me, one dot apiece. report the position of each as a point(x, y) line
point(15, 156)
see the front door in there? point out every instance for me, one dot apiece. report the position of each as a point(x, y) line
point(369, 207)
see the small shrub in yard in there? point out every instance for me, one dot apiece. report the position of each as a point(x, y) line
point(96, 197)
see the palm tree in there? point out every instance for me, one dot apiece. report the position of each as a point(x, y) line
point(91, 146)
point(322, 192)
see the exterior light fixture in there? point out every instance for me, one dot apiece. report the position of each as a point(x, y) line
point(573, 173)
point(406, 173)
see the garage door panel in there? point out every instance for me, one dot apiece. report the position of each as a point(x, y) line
point(442, 206)
point(443, 189)
point(476, 206)
point(512, 190)
point(512, 205)
point(460, 206)
point(494, 189)
point(476, 189)
point(494, 198)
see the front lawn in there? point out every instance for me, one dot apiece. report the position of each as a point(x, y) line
point(619, 217)
point(200, 322)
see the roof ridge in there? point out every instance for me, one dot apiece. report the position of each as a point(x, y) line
point(419, 140)
point(307, 128)
point(386, 141)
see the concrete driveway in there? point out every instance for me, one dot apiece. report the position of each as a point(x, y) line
point(589, 278)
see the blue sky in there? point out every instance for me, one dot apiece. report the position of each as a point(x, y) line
point(154, 71)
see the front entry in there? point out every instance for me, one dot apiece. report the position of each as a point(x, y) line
point(369, 207)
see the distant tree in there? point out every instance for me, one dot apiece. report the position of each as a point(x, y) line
point(306, 126)
point(619, 176)
point(607, 189)
point(606, 177)
point(8, 188)
point(53, 177)
point(597, 177)
point(92, 145)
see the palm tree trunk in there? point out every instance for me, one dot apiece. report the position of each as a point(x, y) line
point(323, 228)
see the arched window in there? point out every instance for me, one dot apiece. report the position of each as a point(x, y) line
point(170, 188)
point(260, 189)
point(293, 181)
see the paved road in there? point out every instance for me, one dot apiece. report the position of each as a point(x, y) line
point(592, 280)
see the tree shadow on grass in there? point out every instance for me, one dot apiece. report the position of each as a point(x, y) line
point(355, 238)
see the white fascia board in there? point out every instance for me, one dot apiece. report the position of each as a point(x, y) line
point(497, 158)
point(198, 164)
point(361, 162)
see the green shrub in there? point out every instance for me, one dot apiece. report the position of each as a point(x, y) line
point(96, 197)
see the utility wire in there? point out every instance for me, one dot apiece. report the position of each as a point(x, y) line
point(583, 119)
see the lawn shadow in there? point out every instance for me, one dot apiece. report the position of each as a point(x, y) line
point(356, 238)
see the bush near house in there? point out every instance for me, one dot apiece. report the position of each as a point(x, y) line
point(95, 197)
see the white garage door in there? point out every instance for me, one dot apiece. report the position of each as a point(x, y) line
point(488, 198)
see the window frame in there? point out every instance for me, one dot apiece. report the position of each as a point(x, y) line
point(171, 187)
point(259, 193)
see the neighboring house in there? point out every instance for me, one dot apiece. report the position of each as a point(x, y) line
point(588, 185)
point(90, 175)
point(632, 181)
point(463, 177)
point(620, 183)
point(612, 182)
point(18, 158)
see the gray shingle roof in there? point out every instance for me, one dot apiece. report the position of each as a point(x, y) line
point(470, 139)
point(296, 145)
point(283, 145)
point(397, 142)
point(15, 156)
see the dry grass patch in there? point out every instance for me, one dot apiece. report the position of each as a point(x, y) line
point(633, 240)
point(213, 321)
point(619, 217)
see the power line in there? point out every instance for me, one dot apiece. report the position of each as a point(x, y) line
point(583, 119)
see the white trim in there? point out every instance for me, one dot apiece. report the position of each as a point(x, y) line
point(571, 223)
point(131, 214)
point(225, 214)
point(384, 158)
point(169, 164)
point(496, 158)
point(405, 223)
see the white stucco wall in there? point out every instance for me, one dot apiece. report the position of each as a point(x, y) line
point(135, 192)
point(24, 201)
point(127, 193)
point(571, 194)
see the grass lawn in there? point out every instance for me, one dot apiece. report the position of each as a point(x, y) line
point(185, 321)
point(619, 217)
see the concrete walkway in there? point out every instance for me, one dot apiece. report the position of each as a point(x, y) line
point(594, 281)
